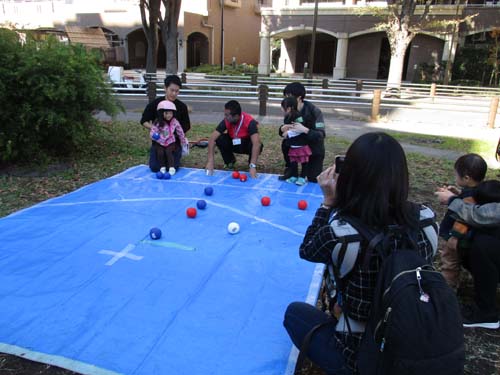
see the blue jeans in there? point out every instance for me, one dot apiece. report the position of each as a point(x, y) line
point(154, 164)
point(324, 350)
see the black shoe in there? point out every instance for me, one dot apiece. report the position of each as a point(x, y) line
point(286, 175)
point(475, 318)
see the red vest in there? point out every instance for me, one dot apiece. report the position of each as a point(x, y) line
point(245, 120)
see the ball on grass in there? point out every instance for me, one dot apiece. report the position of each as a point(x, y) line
point(233, 227)
point(191, 212)
point(155, 233)
point(209, 190)
point(302, 204)
point(201, 204)
point(266, 201)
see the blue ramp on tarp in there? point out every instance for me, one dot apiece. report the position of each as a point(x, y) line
point(83, 286)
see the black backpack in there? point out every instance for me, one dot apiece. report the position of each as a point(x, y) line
point(415, 325)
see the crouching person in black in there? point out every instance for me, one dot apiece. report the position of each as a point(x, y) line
point(313, 126)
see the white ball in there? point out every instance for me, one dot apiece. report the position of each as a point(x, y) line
point(233, 227)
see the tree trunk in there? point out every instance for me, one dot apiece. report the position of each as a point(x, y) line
point(150, 28)
point(169, 33)
point(399, 37)
point(397, 64)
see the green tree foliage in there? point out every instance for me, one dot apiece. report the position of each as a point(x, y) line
point(471, 66)
point(49, 92)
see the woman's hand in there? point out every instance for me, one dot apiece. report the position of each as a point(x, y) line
point(327, 182)
point(299, 128)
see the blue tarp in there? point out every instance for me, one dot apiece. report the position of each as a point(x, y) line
point(84, 287)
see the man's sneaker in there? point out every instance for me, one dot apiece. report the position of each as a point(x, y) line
point(163, 170)
point(229, 166)
point(301, 181)
point(292, 180)
point(474, 318)
point(172, 171)
point(286, 175)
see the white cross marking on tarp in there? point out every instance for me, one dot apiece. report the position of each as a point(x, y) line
point(122, 254)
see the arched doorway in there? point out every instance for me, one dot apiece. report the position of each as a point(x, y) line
point(324, 53)
point(137, 49)
point(197, 49)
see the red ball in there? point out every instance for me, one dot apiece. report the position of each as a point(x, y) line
point(243, 177)
point(266, 201)
point(191, 212)
point(236, 174)
point(302, 204)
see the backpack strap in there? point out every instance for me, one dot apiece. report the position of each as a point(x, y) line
point(350, 231)
point(306, 341)
point(429, 227)
point(345, 253)
point(497, 152)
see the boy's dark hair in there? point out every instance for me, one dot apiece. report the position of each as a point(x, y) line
point(296, 89)
point(234, 107)
point(472, 165)
point(173, 79)
point(487, 192)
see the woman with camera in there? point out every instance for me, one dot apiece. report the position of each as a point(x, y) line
point(370, 186)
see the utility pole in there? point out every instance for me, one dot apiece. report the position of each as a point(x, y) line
point(222, 35)
point(313, 39)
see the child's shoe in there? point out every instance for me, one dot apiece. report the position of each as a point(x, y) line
point(172, 171)
point(301, 181)
point(292, 180)
point(163, 170)
point(229, 166)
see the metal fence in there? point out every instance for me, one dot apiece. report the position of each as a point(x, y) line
point(347, 93)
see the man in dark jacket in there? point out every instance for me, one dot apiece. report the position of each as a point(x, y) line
point(173, 85)
point(313, 126)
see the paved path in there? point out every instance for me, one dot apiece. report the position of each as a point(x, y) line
point(349, 124)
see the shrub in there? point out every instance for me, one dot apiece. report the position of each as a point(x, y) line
point(472, 64)
point(49, 92)
point(228, 69)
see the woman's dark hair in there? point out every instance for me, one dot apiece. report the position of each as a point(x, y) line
point(472, 165)
point(487, 192)
point(373, 185)
point(290, 102)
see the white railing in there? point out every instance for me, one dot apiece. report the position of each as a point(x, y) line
point(338, 93)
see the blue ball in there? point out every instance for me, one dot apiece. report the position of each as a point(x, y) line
point(156, 136)
point(159, 175)
point(209, 190)
point(155, 233)
point(201, 204)
point(166, 176)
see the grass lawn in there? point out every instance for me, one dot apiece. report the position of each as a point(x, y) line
point(124, 144)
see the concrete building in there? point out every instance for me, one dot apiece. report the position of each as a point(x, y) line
point(348, 43)
point(200, 28)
